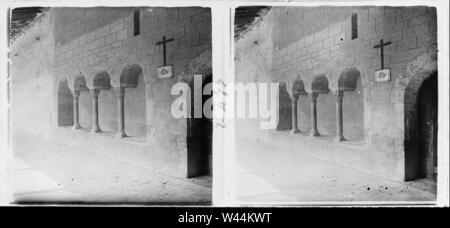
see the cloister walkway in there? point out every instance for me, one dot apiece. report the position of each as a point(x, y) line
point(48, 171)
point(270, 173)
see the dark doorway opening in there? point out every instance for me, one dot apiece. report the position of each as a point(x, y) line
point(65, 104)
point(427, 108)
point(199, 137)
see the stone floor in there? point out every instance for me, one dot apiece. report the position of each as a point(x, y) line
point(46, 171)
point(266, 173)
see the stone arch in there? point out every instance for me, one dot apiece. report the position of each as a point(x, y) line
point(298, 87)
point(65, 103)
point(90, 73)
point(105, 108)
point(319, 84)
point(325, 105)
point(348, 79)
point(128, 62)
point(84, 101)
point(303, 105)
point(412, 137)
point(101, 80)
point(130, 75)
point(79, 83)
point(135, 119)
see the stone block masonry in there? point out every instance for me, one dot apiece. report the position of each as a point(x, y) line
point(115, 40)
point(104, 41)
point(311, 42)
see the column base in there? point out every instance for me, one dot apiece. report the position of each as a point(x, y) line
point(314, 134)
point(295, 131)
point(339, 139)
point(96, 130)
point(75, 127)
point(121, 135)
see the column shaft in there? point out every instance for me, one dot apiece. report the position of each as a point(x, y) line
point(340, 131)
point(313, 97)
point(120, 92)
point(294, 101)
point(95, 125)
point(76, 118)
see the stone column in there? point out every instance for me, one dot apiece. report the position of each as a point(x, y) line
point(294, 101)
point(120, 93)
point(339, 136)
point(76, 118)
point(313, 97)
point(95, 125)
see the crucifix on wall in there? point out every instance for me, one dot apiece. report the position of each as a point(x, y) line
point(382, 75)
point(164, 71)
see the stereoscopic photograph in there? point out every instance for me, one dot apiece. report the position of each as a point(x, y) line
point(101, 101)
point(352, 104)
point(312, 104)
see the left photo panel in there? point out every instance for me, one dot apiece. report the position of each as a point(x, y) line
point(104, 105)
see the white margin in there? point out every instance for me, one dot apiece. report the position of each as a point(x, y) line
point(223, 68)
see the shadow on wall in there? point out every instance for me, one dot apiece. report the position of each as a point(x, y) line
point(199, 138)
point(285, 109)
point(421, 127)
point(353, 113)
point(85, 102)
point(326, 114)
point(304, 114)
point(65, 104)
point(107, 110)
point(135, 119)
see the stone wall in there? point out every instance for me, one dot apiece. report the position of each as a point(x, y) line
point(253, 63)
point(89, 41)
point(32, 83)
point(322, 43)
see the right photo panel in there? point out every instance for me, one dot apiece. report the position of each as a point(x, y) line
point(336, 104)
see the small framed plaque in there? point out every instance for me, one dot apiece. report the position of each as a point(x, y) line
point(165, 72)
point(383, 75)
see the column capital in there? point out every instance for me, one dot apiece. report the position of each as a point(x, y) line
point(94, 93)
point(339, 94)
point(75, 93)
point(120, 91)
point(313, 97)
point(294, 97)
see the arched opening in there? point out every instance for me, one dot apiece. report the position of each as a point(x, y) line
point(199, 136)
point(65, 104)
point(298, 87)
point(132, 79)
point(421, 107)
point(107, 102)
point(130, 76)
point(298, 92)
point(326, 115)
point(107, 108)
point(102, 81)
point(84, 102)
point(320, 84)
point(284, 108)
point(304, 113)
point(352, 104)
